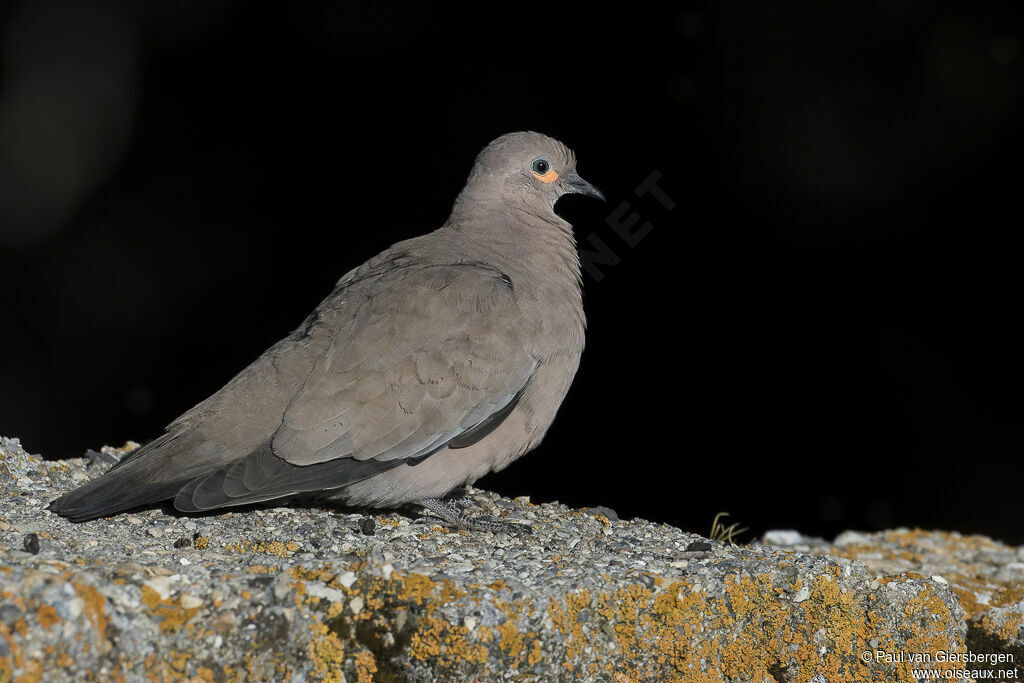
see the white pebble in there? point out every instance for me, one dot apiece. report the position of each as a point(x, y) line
point(782, 537)
point(190, 601)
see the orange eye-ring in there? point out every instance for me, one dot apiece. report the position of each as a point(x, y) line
point(542, 170)
point(548, 177)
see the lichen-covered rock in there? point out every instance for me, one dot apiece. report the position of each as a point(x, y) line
point(986, 576)
point(294, 593)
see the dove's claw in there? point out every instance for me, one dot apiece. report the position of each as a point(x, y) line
point(455, 516)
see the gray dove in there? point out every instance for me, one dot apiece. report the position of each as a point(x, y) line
point(441, 359)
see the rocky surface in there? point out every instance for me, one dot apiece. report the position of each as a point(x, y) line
point(308, 593)
point(986, 576)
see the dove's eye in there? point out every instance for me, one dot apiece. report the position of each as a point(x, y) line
point(543, 171)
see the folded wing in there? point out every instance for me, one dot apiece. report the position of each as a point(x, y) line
point(431, 356)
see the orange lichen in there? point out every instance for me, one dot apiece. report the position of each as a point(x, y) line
point(95, 607)
point(171, 613)
point(508, 630)
point(204, 675)
point(1005, 627)
point(366, 667)
point(324, 574)
point(47, 616)
point(446, 645)
point(327, 653)
point(536, 653)
point(277, 548)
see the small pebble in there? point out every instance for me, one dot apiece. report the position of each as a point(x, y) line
point(31, 543)
point(368, 526)
point(10, 614)
point(606, 511)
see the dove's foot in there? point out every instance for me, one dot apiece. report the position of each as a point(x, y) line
point(457, 517)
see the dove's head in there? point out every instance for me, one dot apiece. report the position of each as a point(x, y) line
point(526, 171)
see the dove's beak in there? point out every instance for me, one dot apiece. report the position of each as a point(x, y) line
point(573, 184)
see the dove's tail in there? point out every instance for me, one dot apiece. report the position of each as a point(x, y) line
point(144, 477)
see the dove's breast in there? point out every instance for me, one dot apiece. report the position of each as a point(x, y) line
point(551, 325)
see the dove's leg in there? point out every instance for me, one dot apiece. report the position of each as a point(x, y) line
point(457, 517)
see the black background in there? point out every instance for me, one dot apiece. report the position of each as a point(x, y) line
point(823, 333)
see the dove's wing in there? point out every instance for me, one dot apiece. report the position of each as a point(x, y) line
point(425, 357)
